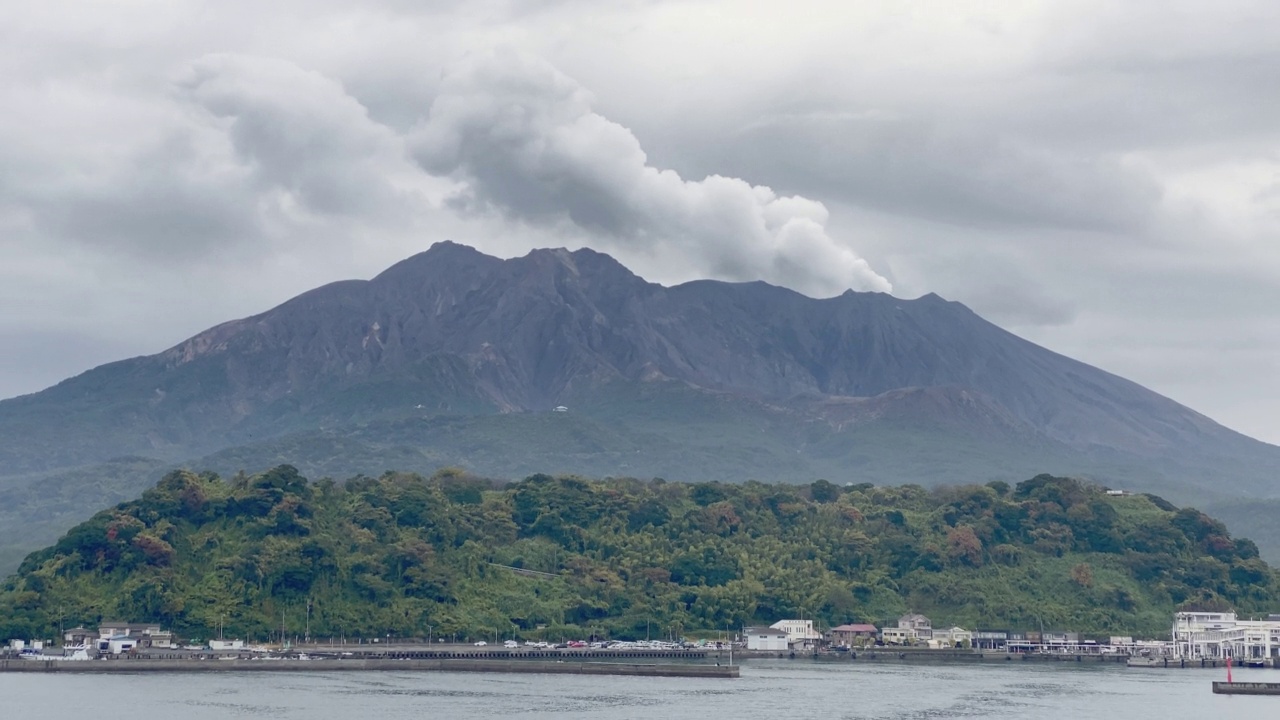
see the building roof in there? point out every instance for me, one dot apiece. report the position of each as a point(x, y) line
point(855, 628)
point(763, 631)
point(913, 617)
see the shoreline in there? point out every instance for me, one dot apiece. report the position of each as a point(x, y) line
point(370, 665)
point(708, 665)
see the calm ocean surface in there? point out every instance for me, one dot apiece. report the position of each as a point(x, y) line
point(798, 688)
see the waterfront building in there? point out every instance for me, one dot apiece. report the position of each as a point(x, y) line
point(79, 636)
point(119, 637)
point(898, 636)
point(799, 632)
point(1191, 631)
point(1060, 638)
point(115, 629)
point(851, 635)
point(919, 625)
point(990, 639)
point(1222, 634)
point(762, 638)
point(120, 645)
point(953, 637)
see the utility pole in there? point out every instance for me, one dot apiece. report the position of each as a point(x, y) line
point(307, 637)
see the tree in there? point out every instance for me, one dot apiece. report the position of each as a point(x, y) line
point(963, 546)
point(824, 492)
point(1001, 487)
point(1082, 575)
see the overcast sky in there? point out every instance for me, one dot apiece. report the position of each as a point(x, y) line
point(1102, 178)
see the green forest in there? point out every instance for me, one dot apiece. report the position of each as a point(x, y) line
point(407, 555)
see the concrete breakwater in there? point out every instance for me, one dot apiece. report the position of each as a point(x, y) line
point(406, 665)
point(1246, 688)
point(410, 652)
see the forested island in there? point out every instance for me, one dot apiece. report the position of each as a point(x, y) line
point(461, 556)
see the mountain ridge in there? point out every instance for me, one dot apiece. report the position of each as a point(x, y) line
point(454, 332)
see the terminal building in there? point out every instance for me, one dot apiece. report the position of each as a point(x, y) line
point(1222, 634)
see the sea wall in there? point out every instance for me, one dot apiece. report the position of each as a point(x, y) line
point(469, 665)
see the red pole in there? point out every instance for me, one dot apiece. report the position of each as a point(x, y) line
point(1228, 668)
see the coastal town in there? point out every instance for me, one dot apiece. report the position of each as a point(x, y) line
point(1195, 637)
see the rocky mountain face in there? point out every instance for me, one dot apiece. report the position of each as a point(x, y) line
point(459, 332)
point(456, 357)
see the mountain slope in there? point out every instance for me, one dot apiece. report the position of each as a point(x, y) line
point(453, 356)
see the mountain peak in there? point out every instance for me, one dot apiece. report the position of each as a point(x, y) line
point(454, 332)
point(442, 257)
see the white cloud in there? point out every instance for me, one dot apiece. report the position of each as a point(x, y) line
point(524, 140)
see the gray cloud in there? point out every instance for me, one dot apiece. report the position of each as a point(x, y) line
point(921, 168)
point(299, 131)
point(525, 140)
point(151, 205)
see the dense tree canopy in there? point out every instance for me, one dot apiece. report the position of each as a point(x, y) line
point(402, 554)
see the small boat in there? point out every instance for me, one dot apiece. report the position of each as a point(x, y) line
point(78, 653)
point(1144, 661)
point(1254, 663)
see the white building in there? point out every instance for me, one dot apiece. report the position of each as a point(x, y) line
point(1191, 631)
point(131, 635)
point(798, 631)
point(1218, 634)
point(116, 629)
point(952, 637)
point(121, 645)
point(759, 638)
point(918, 623)
point(898, 636)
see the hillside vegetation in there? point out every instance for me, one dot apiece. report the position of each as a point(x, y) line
point(402, 553)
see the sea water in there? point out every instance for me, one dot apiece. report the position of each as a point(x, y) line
point(768, 688)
